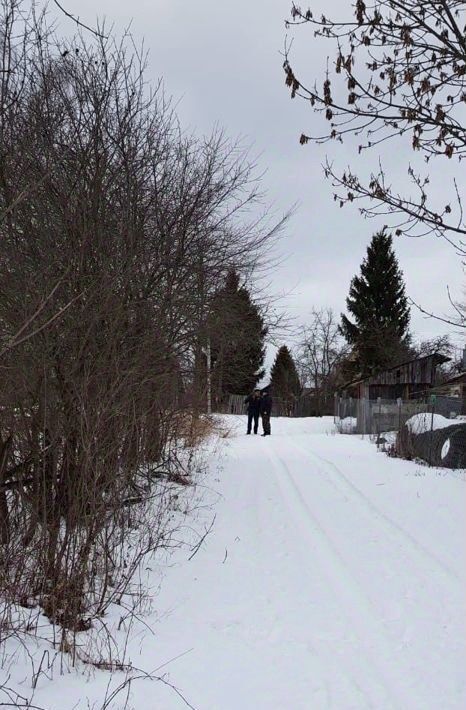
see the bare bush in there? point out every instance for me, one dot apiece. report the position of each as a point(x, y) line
point(115, 229)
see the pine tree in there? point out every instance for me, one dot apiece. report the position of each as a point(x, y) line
point(237, 334)
point(377, 301)
point(284, 380)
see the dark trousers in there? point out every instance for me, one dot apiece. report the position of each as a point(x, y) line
point(253, 416)
point(266, 422)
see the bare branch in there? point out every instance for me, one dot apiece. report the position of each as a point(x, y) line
point(78, 22)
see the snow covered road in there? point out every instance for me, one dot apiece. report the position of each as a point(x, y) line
point(333, 579)
point(343, 583)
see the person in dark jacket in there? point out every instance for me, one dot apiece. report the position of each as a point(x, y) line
point(253, 402)
point(266, 411)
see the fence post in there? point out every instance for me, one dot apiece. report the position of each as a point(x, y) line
point(399, 402)
point(432, 399)
point(379, 402)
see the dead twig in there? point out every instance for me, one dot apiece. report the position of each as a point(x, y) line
point(198, 545)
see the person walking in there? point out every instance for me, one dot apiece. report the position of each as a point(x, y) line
point(253, 402)
point(266, 411)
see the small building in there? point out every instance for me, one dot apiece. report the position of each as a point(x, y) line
point(454, 392)
point(407, 380)
point(455, 386)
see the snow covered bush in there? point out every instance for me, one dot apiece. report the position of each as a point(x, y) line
point(348, 425)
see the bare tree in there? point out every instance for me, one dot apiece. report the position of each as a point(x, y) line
point(321, 352)
point(440, 344)
point(399, 71)
point(116, 227)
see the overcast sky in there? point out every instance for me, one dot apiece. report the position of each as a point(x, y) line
point(222, 61)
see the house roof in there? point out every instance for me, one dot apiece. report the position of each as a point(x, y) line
point(460, 377)
point(438, 359)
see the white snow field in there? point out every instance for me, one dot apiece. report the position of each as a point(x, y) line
point(333, 578)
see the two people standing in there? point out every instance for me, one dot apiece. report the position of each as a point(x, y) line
point(259, 404)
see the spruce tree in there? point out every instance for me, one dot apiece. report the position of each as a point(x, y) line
point(377, 301)
point(237, 334)
point(284, 381)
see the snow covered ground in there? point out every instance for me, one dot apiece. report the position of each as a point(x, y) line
point(333, 578)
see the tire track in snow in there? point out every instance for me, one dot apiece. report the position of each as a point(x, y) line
point(328, 661)
point(355, 678)
point(346, 589)
point(388, 522)
point(326, 681)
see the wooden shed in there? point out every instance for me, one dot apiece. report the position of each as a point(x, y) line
point(406, 380)
point(455, 389)
point(455, 386)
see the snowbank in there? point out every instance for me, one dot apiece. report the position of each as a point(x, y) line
point(347, 425)
point(422, 422)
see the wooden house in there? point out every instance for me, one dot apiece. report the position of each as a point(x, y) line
point(407, 380)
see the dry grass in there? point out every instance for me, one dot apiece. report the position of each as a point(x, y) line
point(196, 429)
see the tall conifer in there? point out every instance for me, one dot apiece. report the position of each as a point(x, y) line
point(284, 381)
point(377, 301)
point(237, 333)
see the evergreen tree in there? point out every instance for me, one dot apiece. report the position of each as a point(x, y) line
point(237, 334)
point(284, 380)
point(377, 301)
